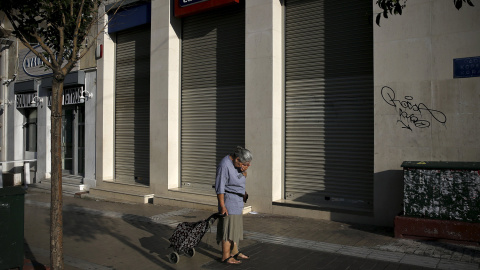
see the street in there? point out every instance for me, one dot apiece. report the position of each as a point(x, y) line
point(106, 235)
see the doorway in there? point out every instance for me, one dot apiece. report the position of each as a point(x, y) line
point(73, 140)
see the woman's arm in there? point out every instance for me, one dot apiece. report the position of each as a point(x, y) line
point(221, 202)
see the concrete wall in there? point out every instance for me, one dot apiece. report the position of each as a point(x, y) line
point(413, 56)
point(89, 60)
point(105, 107)
point(413, 60)
point(264, 89)
point(44, 137)
point(165, 98)
point(90, 129)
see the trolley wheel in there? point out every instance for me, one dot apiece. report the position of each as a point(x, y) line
point(174, 257)
point(191, 252)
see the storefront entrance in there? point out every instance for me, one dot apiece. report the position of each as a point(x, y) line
point(73, 140)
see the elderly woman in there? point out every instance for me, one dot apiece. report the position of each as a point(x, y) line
point(230, 189)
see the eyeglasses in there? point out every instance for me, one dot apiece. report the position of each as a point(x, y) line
point(237, 161)
point(245, 164)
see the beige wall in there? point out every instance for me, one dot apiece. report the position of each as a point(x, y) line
point(263, 101)
point(105, 129)
point(413, 56)
point(165, 97)
point(89, 60)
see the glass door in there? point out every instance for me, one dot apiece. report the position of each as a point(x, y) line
point(81, 140)
point(68, 117)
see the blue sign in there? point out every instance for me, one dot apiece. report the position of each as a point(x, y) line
point(184, 3)
point(466, 67)
point(128, 18)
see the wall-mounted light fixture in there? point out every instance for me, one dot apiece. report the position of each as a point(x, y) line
point(85, 94)
point(36, 100)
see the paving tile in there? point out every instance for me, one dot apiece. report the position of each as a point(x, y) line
point(386, 256)
point(420, 261)
point(449, 264)
point(355, 251)
point(273, 241)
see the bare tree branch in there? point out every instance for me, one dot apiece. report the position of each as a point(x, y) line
point(25, 42)
point(97, 21)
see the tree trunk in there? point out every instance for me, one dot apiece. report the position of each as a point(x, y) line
point(56, 217)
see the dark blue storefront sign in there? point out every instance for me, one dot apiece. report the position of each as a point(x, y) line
point(184, 3)
point(129, 18)
point(466, 67)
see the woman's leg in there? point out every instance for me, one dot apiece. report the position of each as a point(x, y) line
point(226, 247)
point(235, 251)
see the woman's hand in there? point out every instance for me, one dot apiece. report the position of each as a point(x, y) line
point(244, 169)
point(224, 211)
point(221, 203)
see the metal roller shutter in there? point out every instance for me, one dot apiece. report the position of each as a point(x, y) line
point(329, 103)
point(132, 106)
point(213, 92)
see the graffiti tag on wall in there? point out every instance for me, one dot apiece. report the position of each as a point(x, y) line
point(410, 113)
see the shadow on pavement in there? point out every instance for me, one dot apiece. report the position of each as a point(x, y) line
point(159, 242)
point(31, 257)
point(84, 225)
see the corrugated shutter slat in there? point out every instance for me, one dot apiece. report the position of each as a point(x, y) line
point(213, 92)
point(132, 106)
point(329, 102)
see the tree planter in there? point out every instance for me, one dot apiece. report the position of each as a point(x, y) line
point(434, 229)
point(441, 201)
point(442, 190)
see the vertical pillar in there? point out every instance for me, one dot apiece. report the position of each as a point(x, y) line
point(105, 104)
point(264, 99)
point(1, 175)
point(43, 136)
point(3, 89)
point(165, 97)
point(26, 173)
point(90, 138)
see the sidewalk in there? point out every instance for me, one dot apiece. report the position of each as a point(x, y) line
point(106, 235)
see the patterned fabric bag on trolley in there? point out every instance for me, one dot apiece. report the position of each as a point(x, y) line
point(187, 235)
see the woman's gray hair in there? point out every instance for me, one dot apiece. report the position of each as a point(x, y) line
point(244, 155)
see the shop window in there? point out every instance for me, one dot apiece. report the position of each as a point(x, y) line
point(31, 131)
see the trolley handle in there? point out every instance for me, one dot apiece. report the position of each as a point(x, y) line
point(214, 217)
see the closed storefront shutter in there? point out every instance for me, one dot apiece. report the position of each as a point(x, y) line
point(213, 92)
point(132, 106)
point(329, 103)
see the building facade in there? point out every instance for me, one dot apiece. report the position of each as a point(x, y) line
point(26, 114)
point(329, 103)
